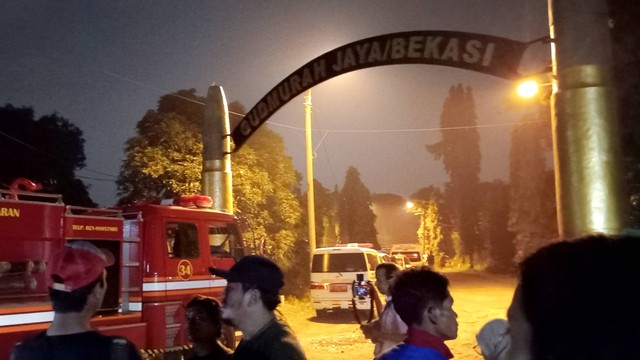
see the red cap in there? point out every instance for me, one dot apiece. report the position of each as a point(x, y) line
point(77, 264)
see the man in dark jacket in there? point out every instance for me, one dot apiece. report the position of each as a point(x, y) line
point(250, 298)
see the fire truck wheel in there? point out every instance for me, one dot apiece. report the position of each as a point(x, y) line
point(228, 336)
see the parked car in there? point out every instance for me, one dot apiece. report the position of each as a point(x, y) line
point(387, 258)
point(402, 261)
point(411, 251)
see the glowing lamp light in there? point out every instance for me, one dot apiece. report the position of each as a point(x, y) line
point(410, 205)
point(528, 88)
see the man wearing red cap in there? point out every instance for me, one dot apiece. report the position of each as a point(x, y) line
point(77, 285)
point(250, 298)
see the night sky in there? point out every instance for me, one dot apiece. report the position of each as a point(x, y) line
point(103, 64)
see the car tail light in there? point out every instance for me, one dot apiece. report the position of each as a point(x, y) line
point(318, 286)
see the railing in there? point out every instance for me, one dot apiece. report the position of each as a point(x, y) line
point(30, 196)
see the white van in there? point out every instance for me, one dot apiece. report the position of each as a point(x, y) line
point(333, 271)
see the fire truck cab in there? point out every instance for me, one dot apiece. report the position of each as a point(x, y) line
point(162, 252)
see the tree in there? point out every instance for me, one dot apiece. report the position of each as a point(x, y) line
point(430, 232)
point(494, 217)
point(164, 159)
point(356, 218)
point(48, 150)
point(325, 214)
point(332, 225)
point(267, 193)
point(428, 202)
point(532, 215)
point(459, 150)
point(266, 189)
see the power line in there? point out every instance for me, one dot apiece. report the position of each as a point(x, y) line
point(325, 130)
point(411, 130)
point(51, 157)
point(326, 156)
point(96, 179)
point(98, 172)
point(147, 86)
point(23, 143)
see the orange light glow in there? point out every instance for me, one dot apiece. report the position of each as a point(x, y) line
point(528, 88)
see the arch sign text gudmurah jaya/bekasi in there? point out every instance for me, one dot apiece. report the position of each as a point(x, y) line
point(491, 55)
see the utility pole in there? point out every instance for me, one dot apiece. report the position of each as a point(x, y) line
point(587, 154)
point(423, 222)
point(310, 191)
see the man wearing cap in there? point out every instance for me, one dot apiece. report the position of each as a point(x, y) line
point(250, 298)
point(77, 285)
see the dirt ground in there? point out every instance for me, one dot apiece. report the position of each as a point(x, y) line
point(478, 298)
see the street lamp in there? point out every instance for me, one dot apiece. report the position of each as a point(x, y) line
point(530, 87)
point(419, 208)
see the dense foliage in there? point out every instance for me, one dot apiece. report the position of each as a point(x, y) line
point(164, 159)
point(494, 218)
point(459, 150)
point(326, 214)
point(356, 217)
point(532, 216)
point(428, 204)
point(47, 150)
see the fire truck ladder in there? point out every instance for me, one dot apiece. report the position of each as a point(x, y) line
point(131, 262)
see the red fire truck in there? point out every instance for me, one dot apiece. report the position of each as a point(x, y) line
point(163, 252)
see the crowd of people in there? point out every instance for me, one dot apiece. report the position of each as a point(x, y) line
point(574, 300)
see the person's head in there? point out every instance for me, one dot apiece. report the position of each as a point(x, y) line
point(493, 340)
point(77, 277)
point(578, 300)
point(384, 275)
point(422, 300)
point(253, 284)
point(203, 319)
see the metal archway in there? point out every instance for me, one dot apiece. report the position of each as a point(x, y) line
point(487, 54)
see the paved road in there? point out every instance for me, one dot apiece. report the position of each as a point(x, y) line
point(478, 298)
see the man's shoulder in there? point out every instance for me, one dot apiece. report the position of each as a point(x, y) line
point(276, 329)
point(122, 348)
point(411, 352)
point(287, 343)
point(30, 348)
point(277, 341)
point(90, 342)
